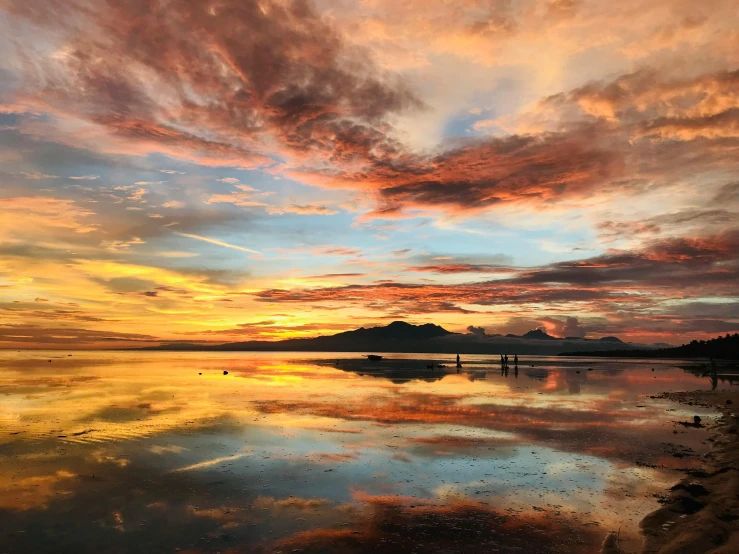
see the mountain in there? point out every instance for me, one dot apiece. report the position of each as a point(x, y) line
point(612, 339)
point(537, 334)
point(726, 348)
point(397, 330)
point(400, 336)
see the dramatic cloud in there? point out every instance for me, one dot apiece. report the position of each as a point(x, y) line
point(569, 328)
point(329, 114)
point(198, 81)
point(170, 166)
point(674, 269)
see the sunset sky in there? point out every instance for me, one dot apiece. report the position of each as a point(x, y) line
point(225, 170)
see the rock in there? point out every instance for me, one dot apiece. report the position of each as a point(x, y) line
point(728, 401)
point(686, 505)
point(697, 420)
point(225, 372)
point(694, 489)
point(610, 544)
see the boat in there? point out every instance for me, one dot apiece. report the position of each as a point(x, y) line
point(374, 357)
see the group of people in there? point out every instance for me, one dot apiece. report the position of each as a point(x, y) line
point(503, 364)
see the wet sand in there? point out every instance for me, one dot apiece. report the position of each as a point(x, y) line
point(700, 514)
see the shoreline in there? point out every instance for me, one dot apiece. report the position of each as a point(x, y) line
point(700, 514)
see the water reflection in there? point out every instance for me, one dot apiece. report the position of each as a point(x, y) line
point(131, 452)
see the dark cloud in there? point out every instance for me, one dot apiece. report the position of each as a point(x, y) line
point(673, 223)
point(483, 173)
point(727, 194)
point(708, 309)
point(476, 330)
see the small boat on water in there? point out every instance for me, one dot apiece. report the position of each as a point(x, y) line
point(374, 357)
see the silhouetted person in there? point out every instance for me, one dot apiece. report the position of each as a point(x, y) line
point(459, 362)
point(714, 375)
point(506, 360)
point(515, 371)
point(515, 360)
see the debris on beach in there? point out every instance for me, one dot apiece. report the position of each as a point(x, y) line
point(696, 423)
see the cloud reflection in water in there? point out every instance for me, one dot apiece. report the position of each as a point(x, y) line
point(117, 452)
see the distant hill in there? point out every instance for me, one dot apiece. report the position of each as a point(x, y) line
point(537, 334)
point(397, 330)
point(400, 336)
point(726, 348)
point(612, 339)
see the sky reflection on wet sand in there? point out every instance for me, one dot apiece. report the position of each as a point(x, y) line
point(160, 452)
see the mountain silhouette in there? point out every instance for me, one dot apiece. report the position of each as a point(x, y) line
point(397, 330)
point(726, 348)
point(400, 336)
point(537, 334)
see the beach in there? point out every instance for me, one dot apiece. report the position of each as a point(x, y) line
point(701, 513)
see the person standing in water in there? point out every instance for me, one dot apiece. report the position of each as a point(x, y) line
point(515, 360)
point(459, 362)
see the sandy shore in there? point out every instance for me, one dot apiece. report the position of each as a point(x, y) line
point(701, 513)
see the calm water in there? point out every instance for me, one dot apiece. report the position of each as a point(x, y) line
point(139, 452)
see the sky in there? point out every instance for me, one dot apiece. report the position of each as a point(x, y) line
point(224, 170)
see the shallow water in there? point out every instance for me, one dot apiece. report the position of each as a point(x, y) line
point(304, 452)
